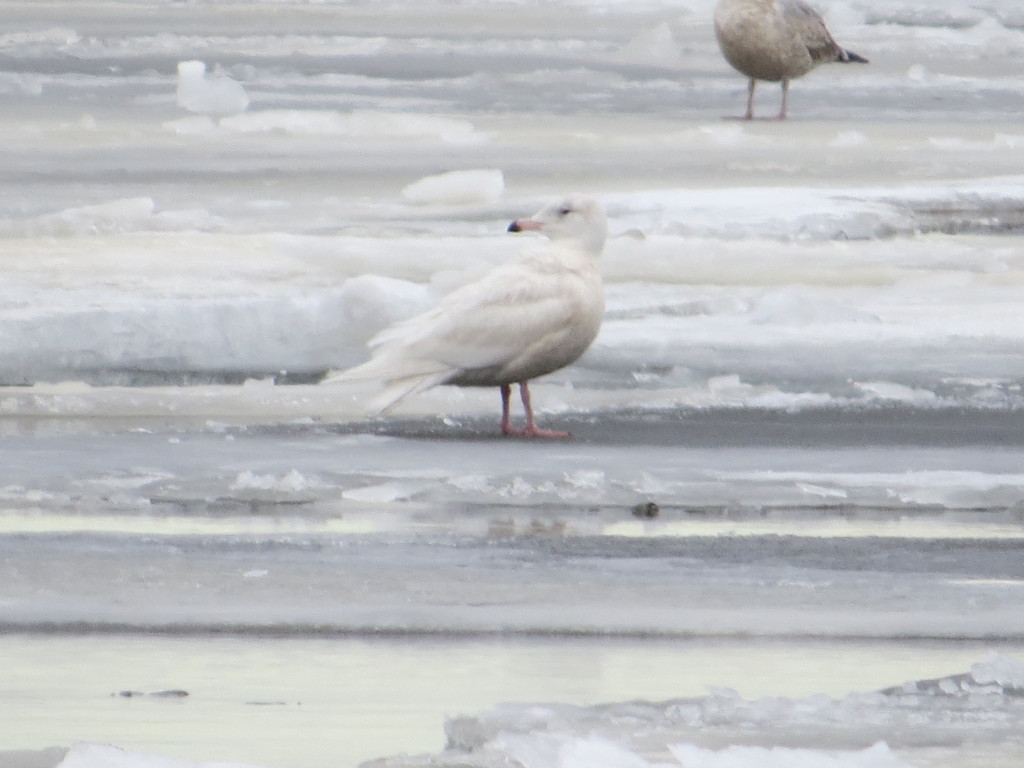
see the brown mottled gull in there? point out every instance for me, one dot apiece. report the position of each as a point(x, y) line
point(775, 40)
point(519, 321)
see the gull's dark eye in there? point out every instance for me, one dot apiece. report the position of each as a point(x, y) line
point(565, 210)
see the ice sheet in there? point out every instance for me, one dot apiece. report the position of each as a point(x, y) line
point(949, 721)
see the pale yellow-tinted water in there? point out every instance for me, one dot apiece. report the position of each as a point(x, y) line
point(321, 702)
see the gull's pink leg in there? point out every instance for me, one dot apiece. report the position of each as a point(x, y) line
point(506, 397)
point(750, 99)
point(531, 429)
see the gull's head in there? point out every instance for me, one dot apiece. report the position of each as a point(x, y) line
point(574, 218)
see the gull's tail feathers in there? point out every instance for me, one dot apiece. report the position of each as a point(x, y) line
point(846, 56)
point(397, 390)
point(402, 378)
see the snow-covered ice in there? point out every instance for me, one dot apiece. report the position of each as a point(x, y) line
point(803, 416)
point(916, 724)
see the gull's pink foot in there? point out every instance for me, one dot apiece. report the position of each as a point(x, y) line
point(531, 429)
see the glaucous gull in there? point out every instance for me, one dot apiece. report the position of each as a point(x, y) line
point(521, 320)
point(775, 40)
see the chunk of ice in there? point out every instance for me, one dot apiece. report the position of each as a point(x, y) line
point(214, 93)
point(999, 669)
point(292, 482)
point(654, 46)
point(457, 188)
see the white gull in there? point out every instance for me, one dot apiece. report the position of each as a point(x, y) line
point(521, 320)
